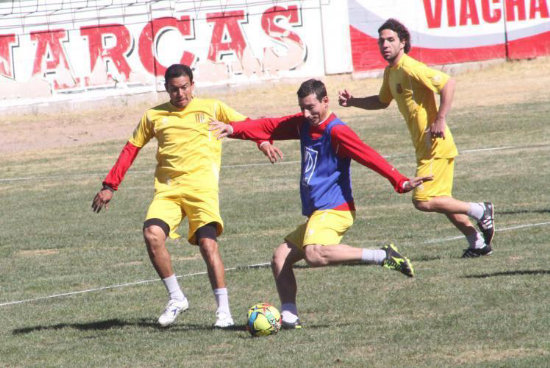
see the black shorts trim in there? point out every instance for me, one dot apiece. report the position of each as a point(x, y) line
point(209, 231)
point(158, 222)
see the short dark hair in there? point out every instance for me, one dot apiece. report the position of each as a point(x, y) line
point(312, 86)
point(178, 70)
point(402, 32)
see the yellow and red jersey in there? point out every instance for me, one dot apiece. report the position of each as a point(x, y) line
point(188, 153)
point(413, 85)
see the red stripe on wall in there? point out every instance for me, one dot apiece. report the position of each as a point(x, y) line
point(365, 54)
point(530, 47)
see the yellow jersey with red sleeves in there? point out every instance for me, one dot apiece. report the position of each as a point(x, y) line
point(413, 85)
point(188, 154)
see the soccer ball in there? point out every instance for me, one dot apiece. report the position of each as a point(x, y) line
point(263, 320)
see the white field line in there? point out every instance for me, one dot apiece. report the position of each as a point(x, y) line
point(258, 265)
point(476, 150)
point(516, 227)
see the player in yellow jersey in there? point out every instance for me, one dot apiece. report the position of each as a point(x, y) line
point(413, 86)
point(186, 184)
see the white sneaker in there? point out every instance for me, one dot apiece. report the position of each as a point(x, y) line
point(223, 320)
point(173, 309)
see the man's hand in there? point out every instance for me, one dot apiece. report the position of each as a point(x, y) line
point(221, 130)
point(273, 153)
point(437, 128)
point(416, 182)
point(102, 199)
point(344, 98)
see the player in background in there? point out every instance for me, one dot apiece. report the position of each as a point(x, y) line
point(413, 86)
point(186, 185)
point(327, 147)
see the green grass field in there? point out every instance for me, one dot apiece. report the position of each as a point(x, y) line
point(77, 288)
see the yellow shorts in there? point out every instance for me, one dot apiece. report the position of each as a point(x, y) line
point(442, 186)
point(324, 227)
point(200, 207)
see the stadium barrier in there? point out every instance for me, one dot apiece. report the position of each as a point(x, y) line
point(65, 50)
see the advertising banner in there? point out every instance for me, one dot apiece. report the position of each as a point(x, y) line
point(453, 31)
point(61, 48)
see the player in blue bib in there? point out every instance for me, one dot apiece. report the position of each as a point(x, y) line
point(327, 147)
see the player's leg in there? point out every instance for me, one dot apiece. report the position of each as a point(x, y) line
point(282, 263)
point(162, 216)
point(208, 245)
point(323, 234)
point(155, 232)
point(205, 225)
point(317, 255)
point(436, 196)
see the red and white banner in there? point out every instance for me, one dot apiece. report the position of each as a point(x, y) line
point(126, 45)
point(453, 31)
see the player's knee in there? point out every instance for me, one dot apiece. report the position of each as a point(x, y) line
point(279, 257)
point(314, 256)
point(424, 206)
point(155, 229)
point(208, 246)
point(155, 234)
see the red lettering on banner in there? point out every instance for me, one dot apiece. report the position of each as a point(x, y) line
point(451, 16)
point(227, 37)
point(538, 6)
point(99, 50)
point(5, 55)
point(490, 15)
point(155, 28)
point(271, 17)
point(434, 15)
point(491, 11)
point(511, 5)
point(49, 46)
point(468, 11)
point(50, 57)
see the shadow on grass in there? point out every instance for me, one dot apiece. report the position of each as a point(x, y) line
point(117, 323)
point(144, 323)
point(508, 273)
point(518, 212)
point(426, 258)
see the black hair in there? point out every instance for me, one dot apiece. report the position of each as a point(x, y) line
point(402, 32)
point(312, 86)
point(178, 70)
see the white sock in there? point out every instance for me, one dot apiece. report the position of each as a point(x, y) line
point(476, 210)
point(173, 288)
point(373, 256)
point(289, 312)
point(476, 241)
point(222, 299)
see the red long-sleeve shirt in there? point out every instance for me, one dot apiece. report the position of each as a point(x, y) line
point(344, 141)
point(121, 166)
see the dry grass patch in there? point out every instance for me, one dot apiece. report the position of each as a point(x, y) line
point(37, 252)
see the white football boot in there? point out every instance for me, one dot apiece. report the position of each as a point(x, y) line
point(172, 311)
point(223, 320)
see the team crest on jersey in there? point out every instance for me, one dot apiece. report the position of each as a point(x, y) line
point(399, 88)
point(310, 162)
